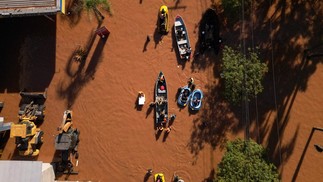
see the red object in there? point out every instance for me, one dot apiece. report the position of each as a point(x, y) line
point(162, 87)
point(103, 32)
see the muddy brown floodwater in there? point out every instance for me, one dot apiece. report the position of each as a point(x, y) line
point(118, 141)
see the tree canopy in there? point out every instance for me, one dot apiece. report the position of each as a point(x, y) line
point(242, 74)
point(94, 4)
point(245, 160)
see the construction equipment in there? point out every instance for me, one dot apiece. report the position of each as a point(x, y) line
point(67, 143)
point(32, 105)
point(28, 136)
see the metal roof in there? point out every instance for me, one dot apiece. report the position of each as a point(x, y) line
point(16, 171)
point(10, 8)
point(26, 171)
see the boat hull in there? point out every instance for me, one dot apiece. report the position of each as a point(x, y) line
point(163, 18)
point(184, 95)
point(196, 100)
point(159, 177)
point(161, 102)
point(182, 39)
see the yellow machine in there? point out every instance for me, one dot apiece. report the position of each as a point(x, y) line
point(28, 137)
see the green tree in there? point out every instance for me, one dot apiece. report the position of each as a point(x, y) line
point(96, 4)
point(242, 74)
point(245, 161)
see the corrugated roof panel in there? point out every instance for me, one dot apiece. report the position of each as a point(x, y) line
point(17, 171)
point(26, 3)
point(10, 8)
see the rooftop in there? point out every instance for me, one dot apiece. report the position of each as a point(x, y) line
point(10, 8)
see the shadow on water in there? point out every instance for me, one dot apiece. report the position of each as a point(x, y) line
point(149, 110)
point(28, 50)
point(215, 119)
point(4, 137)
point(207, 44)
point(165, 136)
point(210, 178)
point(16, 156)
point(157, 37)
point(287, 75)
point(285, 47)
point(190, 111)
point(137, 106)
point(146, 44)
point(157, 134)
point(71, 88)
point(178, 93)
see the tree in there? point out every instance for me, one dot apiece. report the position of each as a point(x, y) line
point(246, 161)
point(242, 74)
point(94, 4)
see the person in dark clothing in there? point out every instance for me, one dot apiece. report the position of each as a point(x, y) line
point(172, 117)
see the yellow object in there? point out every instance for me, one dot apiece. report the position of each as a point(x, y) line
point(67, 121)
point(18, 130)
point(159, 177)
point(163, 25)
point(164, 7)
point(63, 10)
point(27, 130)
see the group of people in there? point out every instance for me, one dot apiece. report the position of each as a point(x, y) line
point(191, 85)
point(180, 33)
point(159, 101)
point(163, 22)
point(164, 122)
point(185, 95)
point(159, 178)
point(186, 92)
point(162, 18)
point(162, 128)
point(196, 101)
point(185, 50)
